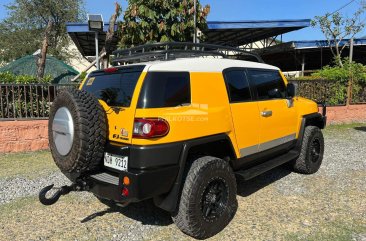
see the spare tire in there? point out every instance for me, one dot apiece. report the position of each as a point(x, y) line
point(77, 131)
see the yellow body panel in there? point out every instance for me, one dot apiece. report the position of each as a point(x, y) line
point(283, 77)
point(210, 113)
point(246, 120)
point(282, 123)
point(303, 107)
point(82, 83)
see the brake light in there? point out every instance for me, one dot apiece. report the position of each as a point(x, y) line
point(110, 70)
point(125, 192)
point(150, 128)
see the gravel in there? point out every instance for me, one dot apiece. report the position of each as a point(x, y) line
point(17, 187)
point(278, 205)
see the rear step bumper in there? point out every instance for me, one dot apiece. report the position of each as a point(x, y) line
point(143, 184)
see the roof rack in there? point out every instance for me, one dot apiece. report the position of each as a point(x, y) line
point(173, 50)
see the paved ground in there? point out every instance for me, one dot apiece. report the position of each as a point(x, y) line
point(278, 205)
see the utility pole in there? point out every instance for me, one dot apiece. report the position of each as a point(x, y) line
point(351, 50)
point(97, 50)
point(350, 81)
point(303, 66)
point(195, 22)
point(96, 25)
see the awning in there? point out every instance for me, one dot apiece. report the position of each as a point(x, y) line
point(244, 32)
point(232, 33)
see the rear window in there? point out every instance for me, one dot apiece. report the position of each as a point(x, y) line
point(165, 89)
point(237, 86)
point(116, 89)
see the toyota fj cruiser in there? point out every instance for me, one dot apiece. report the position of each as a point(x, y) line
point(178, 125)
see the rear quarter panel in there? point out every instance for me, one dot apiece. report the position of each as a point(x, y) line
point(208, 114)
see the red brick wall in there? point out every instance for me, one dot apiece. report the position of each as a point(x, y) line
point(346, 114)
point(18, 136)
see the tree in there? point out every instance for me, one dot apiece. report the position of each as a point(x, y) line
point(15, 42)
point(43, 23)
point(108, 48)
point(336, 27)
point(147, 21)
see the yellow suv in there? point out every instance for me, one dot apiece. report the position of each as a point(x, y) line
point(179, 129)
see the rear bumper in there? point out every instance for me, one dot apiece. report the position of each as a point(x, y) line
point(143, 184)
point(152, 171)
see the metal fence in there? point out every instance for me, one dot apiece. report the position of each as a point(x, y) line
point(333, 93)
point(359, 94)
point(27, 101)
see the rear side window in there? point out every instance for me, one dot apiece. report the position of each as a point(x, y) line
point(237, 86)
point(116, 89)
point(165, 89)
point(266, 81)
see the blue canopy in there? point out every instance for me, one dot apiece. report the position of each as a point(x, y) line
point(233, 33)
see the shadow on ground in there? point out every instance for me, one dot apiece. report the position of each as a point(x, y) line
point(144, 212)
point(360, 128)
point(246, 188)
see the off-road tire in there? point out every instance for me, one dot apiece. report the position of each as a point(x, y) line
point(90, 131)
point(311, 156)
point(189, 217)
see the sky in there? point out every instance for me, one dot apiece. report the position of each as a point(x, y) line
point(231, 10)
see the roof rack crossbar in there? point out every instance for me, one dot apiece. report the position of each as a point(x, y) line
point(174, 50)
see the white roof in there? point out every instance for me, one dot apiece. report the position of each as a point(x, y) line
point(203, 65)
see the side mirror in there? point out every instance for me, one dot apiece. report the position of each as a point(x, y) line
point(291, 90)
point(274, 93)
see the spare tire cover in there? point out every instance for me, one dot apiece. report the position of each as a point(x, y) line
point(77, 131)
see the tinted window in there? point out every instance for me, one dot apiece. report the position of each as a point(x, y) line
point(165, 89)
point(266, 81)
point(237, 85)
point(115, 89)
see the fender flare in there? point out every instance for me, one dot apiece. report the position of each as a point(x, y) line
point(169, 201)
point(315, 119)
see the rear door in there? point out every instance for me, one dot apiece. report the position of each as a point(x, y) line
point(115, 88)
point(244, 110)
point(277, 115)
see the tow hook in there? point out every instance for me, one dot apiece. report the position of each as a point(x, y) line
point(64, 190)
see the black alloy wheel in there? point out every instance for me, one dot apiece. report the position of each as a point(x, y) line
point(214, 199)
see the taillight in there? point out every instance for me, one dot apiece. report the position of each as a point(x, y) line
point(150, 128)
point(110, 70)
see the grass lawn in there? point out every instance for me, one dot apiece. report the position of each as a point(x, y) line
point(28, 164)
point(345, 127)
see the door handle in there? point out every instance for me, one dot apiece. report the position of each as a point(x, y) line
point(266, 113)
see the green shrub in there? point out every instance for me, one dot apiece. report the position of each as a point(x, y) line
point(353, 70)
point(331, 83)
point(10, 78)
point(82, 76)
point(319, 90)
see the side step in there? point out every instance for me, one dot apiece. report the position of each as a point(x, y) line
point(268, 165)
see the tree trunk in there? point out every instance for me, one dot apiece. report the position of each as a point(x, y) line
point(109, 37)
point(339, 59)
point(41, 61)
point(350, 88)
